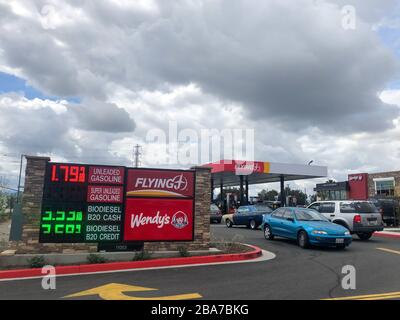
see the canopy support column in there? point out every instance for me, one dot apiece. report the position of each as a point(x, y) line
point(241, 191)
point(222, 197)
point(247, 190)
point(283, 196)
point(212, 190)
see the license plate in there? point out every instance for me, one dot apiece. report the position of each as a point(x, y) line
point(339, 240)
point(372, 223)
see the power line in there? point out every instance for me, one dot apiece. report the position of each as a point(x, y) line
point(7, 188)
point(137, 154)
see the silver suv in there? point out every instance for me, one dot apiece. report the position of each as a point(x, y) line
point(360, 217)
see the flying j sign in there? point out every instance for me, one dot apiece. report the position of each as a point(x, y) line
point(91, 203)
point(159, 205)
point(160, 183)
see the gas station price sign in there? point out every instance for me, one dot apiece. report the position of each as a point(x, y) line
point(82, 203)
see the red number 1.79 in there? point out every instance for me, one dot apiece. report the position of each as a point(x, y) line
point(68, 173)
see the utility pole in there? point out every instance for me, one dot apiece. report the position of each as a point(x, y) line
point(137, 154)
point(19, 178)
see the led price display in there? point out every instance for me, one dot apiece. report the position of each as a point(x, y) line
point(76, 210)
point(68, 173)
point(62, 223)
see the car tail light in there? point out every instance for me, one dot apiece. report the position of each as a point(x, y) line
point(357, 218)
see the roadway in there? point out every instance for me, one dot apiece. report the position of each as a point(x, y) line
point(295, 273)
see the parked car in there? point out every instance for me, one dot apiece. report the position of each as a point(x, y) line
point(388, 209)
point(359, 217)
point(272, 204)
point(307, 226)
point(250, 216)
point(216, 214)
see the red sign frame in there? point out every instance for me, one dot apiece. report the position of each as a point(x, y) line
point(152, 219)
point(105, 194)
point(154, 183)
point(106, 175)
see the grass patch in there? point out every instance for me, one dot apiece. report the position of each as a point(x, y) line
point(3, 245)
point(142, 255)
point(95, 259)
point(183, 252)
point(37, 262)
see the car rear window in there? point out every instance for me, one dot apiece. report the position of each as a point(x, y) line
point(263, 208)
point(357, 207)
point(214, 207)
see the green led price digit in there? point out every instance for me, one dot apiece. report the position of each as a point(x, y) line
point(47, 216)
point(78, 228)
point(69, 229)
point(59, 228)
point(46, 228)
point(72, 216)
point(60, 216)
point(79, 216)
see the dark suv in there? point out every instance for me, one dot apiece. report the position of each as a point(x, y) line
point(388, 209)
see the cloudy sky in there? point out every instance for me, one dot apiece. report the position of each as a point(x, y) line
point(87, 80)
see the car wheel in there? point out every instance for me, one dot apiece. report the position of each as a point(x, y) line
point(228, 223)
point(365, 236)
point(268, 233)
point(219, 221)
point(302, 239)
point(253, 225)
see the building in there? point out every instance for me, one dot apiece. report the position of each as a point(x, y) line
point(332, 190)
point(361, 186)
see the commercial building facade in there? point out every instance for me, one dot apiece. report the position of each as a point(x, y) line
point(361, 186)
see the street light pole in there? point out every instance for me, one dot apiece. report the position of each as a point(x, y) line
point(19, 178)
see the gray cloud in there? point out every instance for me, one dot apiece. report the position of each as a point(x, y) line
point(283, 60)
point(288, 67)
point(94, 115)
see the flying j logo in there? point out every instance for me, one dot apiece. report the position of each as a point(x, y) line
point(158, 220)
point(157, 183)
point(248, 167)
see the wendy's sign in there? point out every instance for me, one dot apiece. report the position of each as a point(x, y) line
point(159, 205)
point(114, 204)
point(158, 220)
point(160, 183)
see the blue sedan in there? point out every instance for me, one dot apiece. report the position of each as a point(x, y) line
point(307, 226)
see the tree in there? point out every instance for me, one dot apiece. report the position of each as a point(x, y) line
point(4, 199)
point(301, 197)
point(265, 195)
point(231, 190)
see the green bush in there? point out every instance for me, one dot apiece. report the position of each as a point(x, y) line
point(4, 216)
point(183, 251)
point(96, 259)
point(37, 262)
point(142, 255)
point(3, 245)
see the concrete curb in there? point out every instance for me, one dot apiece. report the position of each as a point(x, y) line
point(384, 234)
point(117, 266)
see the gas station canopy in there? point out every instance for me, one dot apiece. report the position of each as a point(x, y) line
point(228, 172)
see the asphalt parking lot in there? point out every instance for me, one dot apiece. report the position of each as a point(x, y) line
point(295, 273)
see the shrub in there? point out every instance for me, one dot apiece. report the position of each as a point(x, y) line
point(4, 216)
point(3, 245)
point(37, 262)
point(142, 255)
point(96, 258)
point(183, 251)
